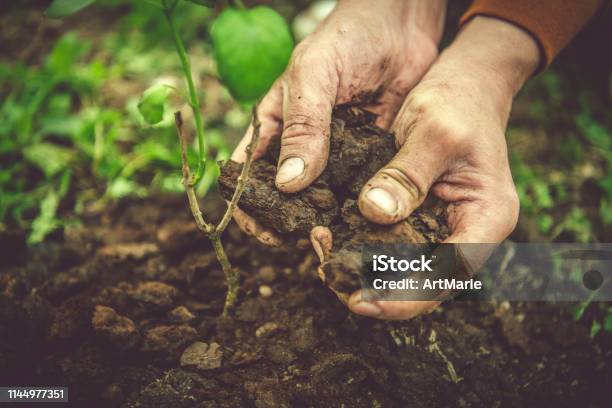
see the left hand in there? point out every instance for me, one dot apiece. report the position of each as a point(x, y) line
point(450, 133)
point(366, 53)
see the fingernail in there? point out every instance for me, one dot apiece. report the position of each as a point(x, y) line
point(367, 309)
point(383, 200)
point(290, 169)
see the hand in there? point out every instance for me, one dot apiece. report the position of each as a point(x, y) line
point(368, 53)
point(450, 132)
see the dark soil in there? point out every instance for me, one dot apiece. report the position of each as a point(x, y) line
point(110, 309)
point(358, 149)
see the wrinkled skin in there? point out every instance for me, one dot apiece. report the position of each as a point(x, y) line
point(357, 55)
point(449, 129)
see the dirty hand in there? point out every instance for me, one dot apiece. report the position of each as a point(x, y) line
point(368, 53)
point(450, 134)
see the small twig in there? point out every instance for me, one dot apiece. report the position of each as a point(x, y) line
point(232, 275)
point(244, 173)
point(434, 346)
point(188, 181)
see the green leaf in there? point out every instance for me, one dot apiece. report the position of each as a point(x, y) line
point(152, 103)
point(578, 309)
point(122, 188)
point(64, 8)
point(542, 194)
point(595, 328)
point(46, 221)
point(171, 183)
point(605, 211)
point(608, 323)
point(606, 184)
point(545, 223)
point(50, 158)
point(65, 55)
point(252, 48)
point(205, 3)
point(64, 183)
point(66, 125)
point(594, 131)
point(578, 223)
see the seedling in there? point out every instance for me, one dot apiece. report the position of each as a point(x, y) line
point(213, 232)
point(242, 39)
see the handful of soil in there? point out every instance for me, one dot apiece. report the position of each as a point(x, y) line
point(358, 149)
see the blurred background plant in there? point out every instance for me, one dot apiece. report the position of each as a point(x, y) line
point(561, 156)
point(72, 140)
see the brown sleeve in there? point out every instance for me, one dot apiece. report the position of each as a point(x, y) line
point(553, 23)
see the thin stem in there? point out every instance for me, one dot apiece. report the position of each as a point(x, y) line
point(193, 96)
point(188, 182)
point(169, 8)
point(243, 178)
point(232, 275)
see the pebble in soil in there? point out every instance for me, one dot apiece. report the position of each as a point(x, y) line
point(202, 356)
point(298, 347)
point(118, 330)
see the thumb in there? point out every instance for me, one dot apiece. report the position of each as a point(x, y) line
point(402, 185)
point(309, 94)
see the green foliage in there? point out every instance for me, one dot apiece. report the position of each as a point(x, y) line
point(605, 211)
point(595, 328)
point(252, 48)
point(66, 148)
point(608, 322)
point(600, 312)
point(564, 182)
point(65, 8)
point(595, 133)
point(545, 223)
point(36, 131)
point(48, 157)
point(153, 102)
point(578, 309)
point(46, 221)
point(578, 223)
point(205, 3)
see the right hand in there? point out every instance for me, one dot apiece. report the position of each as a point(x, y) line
point(365, 53)
point(451, 137)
